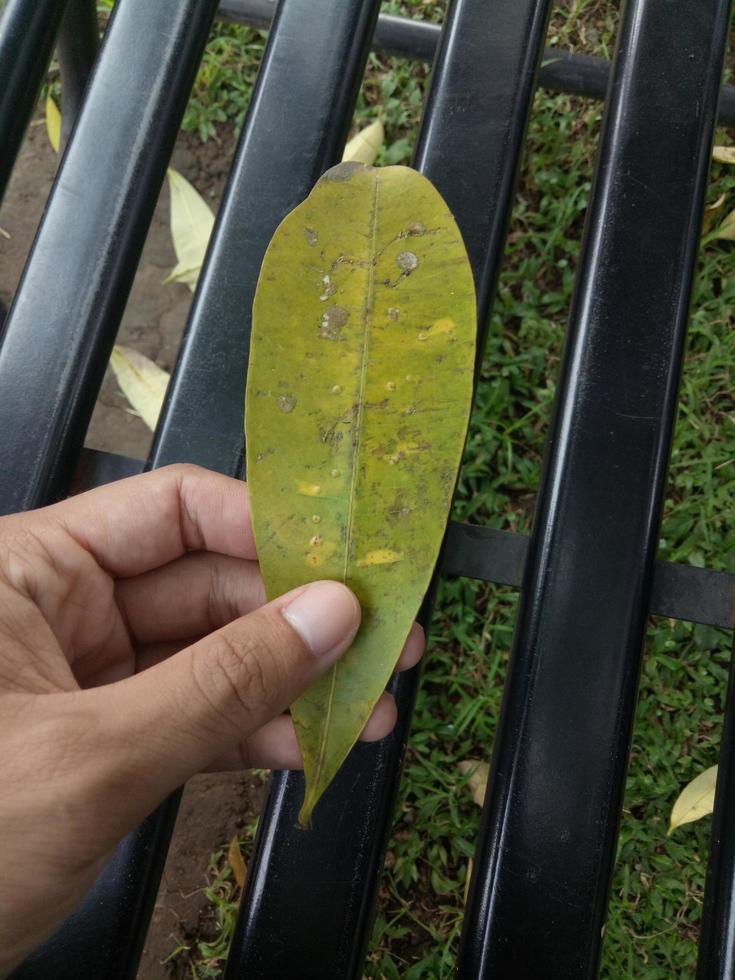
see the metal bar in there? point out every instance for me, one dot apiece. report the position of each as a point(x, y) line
point(27, 32)
point(717, 942)
point(560, 71)
point(77, 46)
point(330, 875)
point(545, 853)
point(61, 327)
point(96, 468)
point(699, 595)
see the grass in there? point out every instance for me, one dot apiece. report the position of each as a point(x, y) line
point(658, 885)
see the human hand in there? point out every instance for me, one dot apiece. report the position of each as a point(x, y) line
point(135, 651)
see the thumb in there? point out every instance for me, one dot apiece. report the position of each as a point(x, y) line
point(179, 716)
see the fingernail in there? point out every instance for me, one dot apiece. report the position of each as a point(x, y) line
point(326, 616)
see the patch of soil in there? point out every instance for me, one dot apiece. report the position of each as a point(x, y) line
point(214, 806)
point(213, 809)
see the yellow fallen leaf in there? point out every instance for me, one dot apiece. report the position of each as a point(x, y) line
point(364, 146)
point(726, 230)
point(710, 213)
point(192, 221)
point(724, 154)
point(234, 859)
point(477, 782)
point(53, 123)
point(696, 800)
point(141, 381)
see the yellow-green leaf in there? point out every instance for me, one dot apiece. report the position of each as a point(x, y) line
point(696, 800)
point(192, 221)
point(359, 390)
point(710, 213)
point(141, 381)
point(364, 146)
point(235, 861)
point(477, 782)
point(726, 230)
point(53, 123)
point(724, 154)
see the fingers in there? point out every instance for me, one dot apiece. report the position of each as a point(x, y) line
point(189, 597)
point(413, 648)
point(274, 746)
point(146, 521)
point(174, 719)
point(199, 593)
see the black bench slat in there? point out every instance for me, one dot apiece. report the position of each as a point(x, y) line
point(540, 886)
point(716, 959)
point(76, 49)
point(74, 286)
point(323, 883)
point(27, 32)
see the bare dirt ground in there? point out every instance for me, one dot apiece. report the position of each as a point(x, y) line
point(214, 806)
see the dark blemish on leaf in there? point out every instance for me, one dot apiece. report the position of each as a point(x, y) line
point(334, 318)
point(312, 236)
point(407, 262)
point(393, 313)
point(286, 403)
point(329, 288)
point(349, 260)
point(344, 171)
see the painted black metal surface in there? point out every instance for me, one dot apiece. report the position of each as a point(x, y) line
point(539, 890)
point(717, 941)
point(27, 32)
point(560, 71)
point(76, 49)
point(76, 281)
point(699, 595)
point(331, 874)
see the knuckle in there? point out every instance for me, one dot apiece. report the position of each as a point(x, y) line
point(239, 685)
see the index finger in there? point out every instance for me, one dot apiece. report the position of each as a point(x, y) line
point(146, 521)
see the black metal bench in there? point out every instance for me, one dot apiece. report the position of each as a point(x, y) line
point(539, 892)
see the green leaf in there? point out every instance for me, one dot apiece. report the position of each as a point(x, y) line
point(53, 123)
point(141, 381)
point(359, 391)
point(696, 800)
point(192, 221)
point(364, 146)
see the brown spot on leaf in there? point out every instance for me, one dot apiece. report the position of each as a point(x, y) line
point(286, 403)
point(407, 262)
point(334, 318)
point(393, 313)
point(312, 236)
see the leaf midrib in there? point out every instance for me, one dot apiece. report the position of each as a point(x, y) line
point(367, 320)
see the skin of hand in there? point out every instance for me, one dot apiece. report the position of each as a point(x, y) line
point(137, 649)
